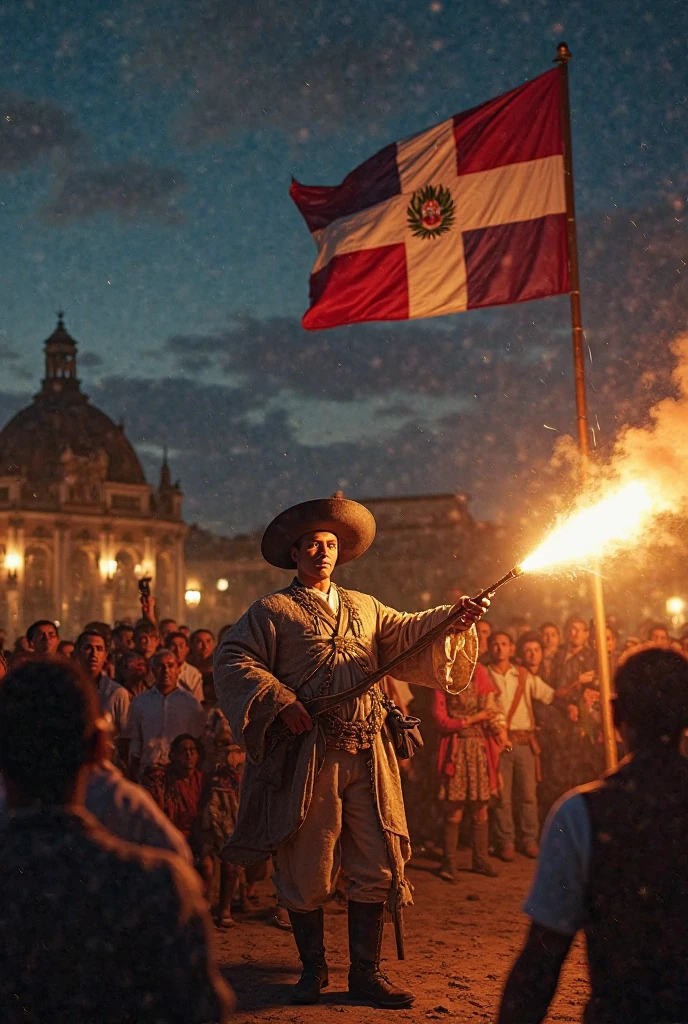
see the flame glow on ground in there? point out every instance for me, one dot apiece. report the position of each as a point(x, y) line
point(598, 530)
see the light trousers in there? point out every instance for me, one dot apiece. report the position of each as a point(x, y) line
point(341, 831)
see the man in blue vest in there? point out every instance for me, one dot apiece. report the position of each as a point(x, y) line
point(614, 862)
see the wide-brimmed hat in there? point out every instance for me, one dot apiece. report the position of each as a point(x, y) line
point(352, 523)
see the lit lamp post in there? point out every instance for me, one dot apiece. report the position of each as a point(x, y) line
point(13, 565)
point(676, 608)
point(192, 595)
point(108, 568)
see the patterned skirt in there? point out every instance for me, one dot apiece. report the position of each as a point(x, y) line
point(465, 776)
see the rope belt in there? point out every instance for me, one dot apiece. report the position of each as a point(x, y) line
point(341, 734)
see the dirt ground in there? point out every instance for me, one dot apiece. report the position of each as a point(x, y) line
point(460, 943)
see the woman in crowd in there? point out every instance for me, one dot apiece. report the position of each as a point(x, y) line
point(472, 733)
point(178, 788)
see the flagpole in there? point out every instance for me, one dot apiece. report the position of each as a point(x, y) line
point(562, 59)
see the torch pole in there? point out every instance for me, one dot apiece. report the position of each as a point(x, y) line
point(562, 59)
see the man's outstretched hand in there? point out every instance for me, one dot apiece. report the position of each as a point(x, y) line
point(296, 718)
point(469, 612)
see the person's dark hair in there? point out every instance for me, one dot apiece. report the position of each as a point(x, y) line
point(122, 627)
point(177, 636)
point(224, 630)
point(499, 632)
point(99, 627)
point(88, 632)
point(48, 714)
point(528, 638)
point(197, 632)
point(182, 738)
point(36, 625)
point(549, 625)
point(145, 627)
point(652, 695)
point(650, 629)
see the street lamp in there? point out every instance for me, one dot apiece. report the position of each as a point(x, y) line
point(192, 598)
point(108, 568)
point(676, 607)
point(13, 563)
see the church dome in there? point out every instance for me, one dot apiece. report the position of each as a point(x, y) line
point(61, 429)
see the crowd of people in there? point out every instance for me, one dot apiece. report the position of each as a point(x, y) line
point(497, 755)
point(527, 729)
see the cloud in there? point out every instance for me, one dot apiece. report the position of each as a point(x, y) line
point(9, 354)
point(283, 64)
point(31, 130)
point(90, 360)
point(133, 191)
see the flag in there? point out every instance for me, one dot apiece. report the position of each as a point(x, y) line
point(469, 213)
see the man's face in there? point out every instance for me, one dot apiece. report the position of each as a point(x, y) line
point(166, 672)
point(123, 640)
point(186, 631)
point(91, 655)
point(499, 647)
point(484, 631)
point(66, 648)
point(531, 653)
point(659, 636)
point(316, 555)
point(45, 640)
point(611, 641)
point(185, 756)
point(550, 638)
point(179, 648)
point(578, 633)
point(168, 626)
point(137, 669)
point(203, 645)
point(147, 643)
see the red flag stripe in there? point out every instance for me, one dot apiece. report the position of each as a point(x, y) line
point(523, 124)
point(369, 284)
point(516, 262)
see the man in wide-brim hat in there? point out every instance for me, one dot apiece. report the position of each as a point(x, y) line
point(330, 800)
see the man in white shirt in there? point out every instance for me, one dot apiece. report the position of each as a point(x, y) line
point(91, 653)
point(519, 765)
point(189, 677)
point(160, 714)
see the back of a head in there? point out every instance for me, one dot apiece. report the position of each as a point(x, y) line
point(652, 695)
point(48, 715)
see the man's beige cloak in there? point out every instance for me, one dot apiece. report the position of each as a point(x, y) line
point(291, 646)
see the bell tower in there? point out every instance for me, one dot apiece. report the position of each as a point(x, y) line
point(60, 360)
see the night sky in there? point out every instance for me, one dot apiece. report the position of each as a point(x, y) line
point(146, 150)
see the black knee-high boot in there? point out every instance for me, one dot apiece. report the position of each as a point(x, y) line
point(366, 981)
point(310, 941)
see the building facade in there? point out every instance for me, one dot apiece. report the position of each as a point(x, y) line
point(428, 550)
point(79, 523)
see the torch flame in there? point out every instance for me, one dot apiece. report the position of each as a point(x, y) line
point(598, 530)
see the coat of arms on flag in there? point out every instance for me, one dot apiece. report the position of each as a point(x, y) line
point(469, 213)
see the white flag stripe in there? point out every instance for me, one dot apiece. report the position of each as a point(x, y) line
point(383, 224)
point(506, 195)
point(428, 158)
point(436, 275)
point(503, 195)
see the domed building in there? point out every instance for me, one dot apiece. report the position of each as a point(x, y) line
point(78, 521)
